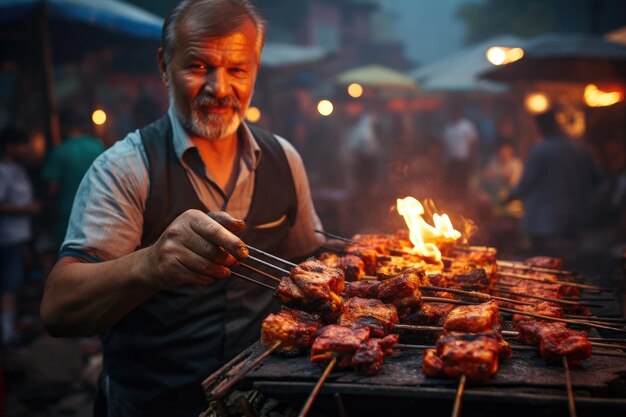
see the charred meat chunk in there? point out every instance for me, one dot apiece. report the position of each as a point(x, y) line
point(480, 318)
point(555, 340)
point(352, 266)
point(380, 318)
point(544, 308)
point(403, 291)
point(367, 288)
point(474, 280)
point(545, 262)
point(469, 354)
point(313, 287)
point(368, 360)
point(293, 328)
point(430, 314)
point(340, 342)
point(369, 256)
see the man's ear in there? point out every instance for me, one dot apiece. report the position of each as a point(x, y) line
point(163, 67)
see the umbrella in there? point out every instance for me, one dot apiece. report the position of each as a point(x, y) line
point(376, 76)
point(565, 57)
point(66, 30)
point(459, 72)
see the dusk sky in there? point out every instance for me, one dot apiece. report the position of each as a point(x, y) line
point(430, 27)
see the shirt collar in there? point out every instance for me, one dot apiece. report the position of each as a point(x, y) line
point(251, 152)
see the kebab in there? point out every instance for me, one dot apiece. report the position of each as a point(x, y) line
point(371, 351)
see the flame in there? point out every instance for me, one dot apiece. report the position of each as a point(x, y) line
point(424, 236)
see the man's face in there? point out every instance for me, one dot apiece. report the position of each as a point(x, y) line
point(211, 80)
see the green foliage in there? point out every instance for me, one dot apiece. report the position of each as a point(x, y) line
point(524, 18)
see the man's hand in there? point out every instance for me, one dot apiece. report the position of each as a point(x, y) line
point(196, 248)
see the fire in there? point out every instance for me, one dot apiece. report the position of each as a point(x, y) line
point(425, 237)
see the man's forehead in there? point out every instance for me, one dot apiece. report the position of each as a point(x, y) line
point(194, 30)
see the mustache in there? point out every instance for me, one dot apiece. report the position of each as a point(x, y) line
point(212, 101)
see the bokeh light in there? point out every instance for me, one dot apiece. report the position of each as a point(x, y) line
point(355, 90)
point(500, 55)
point(537, 103)
point(99, 117)
point(596, 97)
point(325, 107)
point(253, 115)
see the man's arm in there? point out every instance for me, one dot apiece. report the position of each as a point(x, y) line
point(82, 298)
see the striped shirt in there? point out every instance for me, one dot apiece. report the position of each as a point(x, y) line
point(107, 217)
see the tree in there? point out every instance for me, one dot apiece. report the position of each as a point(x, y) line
point(527, 18)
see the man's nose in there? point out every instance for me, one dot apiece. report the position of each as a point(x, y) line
point(216, 83)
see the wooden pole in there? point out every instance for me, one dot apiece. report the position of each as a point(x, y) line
point(48, 66)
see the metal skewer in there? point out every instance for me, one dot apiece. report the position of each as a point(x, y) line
point(269, 255)
point(456, 410)
point(474, 294)
point(309, 402)
point(530, 267)
point(550, 299)
point(215, 375)
point(254, 281)
point(260, 272)
point(570, 321)
point(226, 385)
point(568, 385)
point(514, 347)
point(547, 281)
point(344, 239)
point(262, 262)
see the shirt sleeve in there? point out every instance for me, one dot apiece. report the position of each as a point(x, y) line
point(302, 239)
point(107, 216)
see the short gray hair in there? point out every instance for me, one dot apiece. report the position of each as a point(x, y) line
point(220, 18)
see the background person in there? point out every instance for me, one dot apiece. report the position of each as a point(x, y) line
point(460, 140)
point(17, 205)
point(67, 164)
point(557, 189)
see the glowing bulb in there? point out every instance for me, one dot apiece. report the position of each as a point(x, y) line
point(537, 103)
point(355, 90)
point(500, 55)
point(253, 114)
point(325, 107)
point(595, 97)
point(496, 55)
point(99, 117)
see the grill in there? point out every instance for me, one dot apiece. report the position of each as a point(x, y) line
point(525, 385)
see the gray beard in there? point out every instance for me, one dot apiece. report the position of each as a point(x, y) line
point(207, 126)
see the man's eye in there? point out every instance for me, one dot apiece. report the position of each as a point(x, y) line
point(197, 67)
point(237, 70)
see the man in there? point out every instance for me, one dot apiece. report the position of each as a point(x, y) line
point(67, 164)
point(460, 140)
point(557, 189)
point(142, 263)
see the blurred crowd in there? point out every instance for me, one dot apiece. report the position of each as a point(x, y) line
point(553, 199)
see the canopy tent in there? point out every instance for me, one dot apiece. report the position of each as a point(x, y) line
point(66, 30)
point(565, 58)
point(283, 55)
point(460, 71)
point(377, 76)
point(618, 35)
